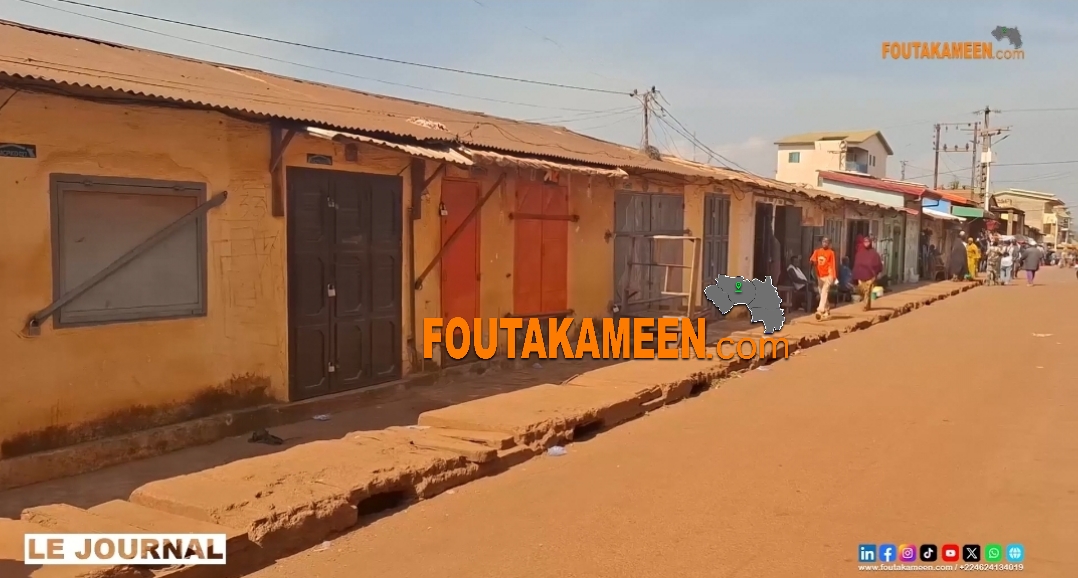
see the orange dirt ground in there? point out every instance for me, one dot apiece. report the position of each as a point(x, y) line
point(956, 423)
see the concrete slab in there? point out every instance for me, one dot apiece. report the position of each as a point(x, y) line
point(432, 440)
point(542, 415)
point(274, 512)
point(158, 522)
point(496, 440)
point(12, 564)
point(668, 379)
point(62, 518)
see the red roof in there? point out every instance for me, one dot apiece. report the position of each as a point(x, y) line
point(908, 189)
point(955, 199)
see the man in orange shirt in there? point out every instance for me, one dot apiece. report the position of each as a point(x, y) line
point(826, 273)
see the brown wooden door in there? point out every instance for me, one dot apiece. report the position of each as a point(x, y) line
point(541, 249)
point(460, 263)
point(344, 264)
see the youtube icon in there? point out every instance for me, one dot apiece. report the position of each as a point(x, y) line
point(950, 552)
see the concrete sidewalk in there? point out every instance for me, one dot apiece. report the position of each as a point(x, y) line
point(276, 504)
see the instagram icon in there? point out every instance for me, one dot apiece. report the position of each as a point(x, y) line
point(907, 553)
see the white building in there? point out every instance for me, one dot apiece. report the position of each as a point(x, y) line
point(801, 157)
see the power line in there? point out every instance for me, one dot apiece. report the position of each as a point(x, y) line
point(347, 52)
point(688, 135)
point(309, 66)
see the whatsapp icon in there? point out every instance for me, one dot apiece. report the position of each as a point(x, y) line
point(993, 553)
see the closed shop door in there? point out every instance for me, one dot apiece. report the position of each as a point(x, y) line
point(716, 236)
point(344, 280)
point(541, 249)
point(460, 263)
point(642, 216)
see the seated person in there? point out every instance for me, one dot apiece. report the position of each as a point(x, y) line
point(845, 278)
point(796, 278)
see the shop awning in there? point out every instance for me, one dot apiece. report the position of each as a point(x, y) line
point(971, 212)
point(941, 215)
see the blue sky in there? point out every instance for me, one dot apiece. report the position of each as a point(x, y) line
point(739, 75)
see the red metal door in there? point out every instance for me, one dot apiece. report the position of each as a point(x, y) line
point(541, 249)
point(460, 264)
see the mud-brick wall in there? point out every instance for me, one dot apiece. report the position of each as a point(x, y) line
point(73, 384)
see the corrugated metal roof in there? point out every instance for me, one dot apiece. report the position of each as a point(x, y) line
point(503, 160)
point(850, 136)
point(954, 198)
point(32, 53)
point(868, 182)
point(438, 153)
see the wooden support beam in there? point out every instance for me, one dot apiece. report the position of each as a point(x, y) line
point(280, 137)
point(457, 232)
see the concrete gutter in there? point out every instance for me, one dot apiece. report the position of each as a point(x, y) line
point(275, 505)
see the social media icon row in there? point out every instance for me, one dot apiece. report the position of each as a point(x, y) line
point(1013, 553)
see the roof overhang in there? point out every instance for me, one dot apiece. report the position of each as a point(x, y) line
point(507, 160)
point(942, 216)
point(438, 153)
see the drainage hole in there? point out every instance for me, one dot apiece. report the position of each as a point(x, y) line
point(587, 430)
point(379, 503)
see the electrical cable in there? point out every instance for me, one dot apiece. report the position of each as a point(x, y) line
point(347, 52)
point(307, 66)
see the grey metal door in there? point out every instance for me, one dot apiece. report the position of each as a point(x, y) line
point(642, 216)
point(716, 236)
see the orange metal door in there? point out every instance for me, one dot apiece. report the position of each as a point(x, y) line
point(460, 263)
point(541, 249)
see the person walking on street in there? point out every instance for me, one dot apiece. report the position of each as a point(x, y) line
point(1032, 256)
point(1006, 263)
point(995, 262)
point(823, 259)
point(867, 267)
point(973, 257)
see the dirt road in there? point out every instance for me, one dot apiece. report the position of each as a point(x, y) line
point(954, 424)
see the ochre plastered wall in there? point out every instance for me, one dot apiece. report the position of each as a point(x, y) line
point(109, 378)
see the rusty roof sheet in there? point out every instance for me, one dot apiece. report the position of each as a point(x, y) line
point(33, 53)
point(504, 160)
point(436, 152)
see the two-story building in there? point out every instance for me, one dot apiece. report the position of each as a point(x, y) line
point(801, 157)
point(1040, 211)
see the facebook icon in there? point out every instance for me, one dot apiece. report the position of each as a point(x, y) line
point(887, 552)
point(866, 553)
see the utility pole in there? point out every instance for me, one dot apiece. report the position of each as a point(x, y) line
point(938, 148)
point(646, 98)
point(904, 163)
point(986, 156)
point(936, 165)
point(973, 172)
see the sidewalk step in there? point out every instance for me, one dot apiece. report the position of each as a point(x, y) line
point(12, 563)
point(542, 414)
point(431, 439)
point(63, 518)
point(158, 522)
point(496, 440)
point(273, 511)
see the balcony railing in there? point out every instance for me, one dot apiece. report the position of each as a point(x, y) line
point(856, 167)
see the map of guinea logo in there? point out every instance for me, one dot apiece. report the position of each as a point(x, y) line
point(1010, 33)
point(760, 297)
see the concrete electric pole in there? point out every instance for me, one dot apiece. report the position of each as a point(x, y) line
point(987, 157)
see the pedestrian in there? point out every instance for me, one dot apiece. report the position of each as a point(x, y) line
point(973, 257)
point(994, 258)
point(1006, 263)
point(957, 263)
point(823, 259)
point(1032, 256)
point(867, 268)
